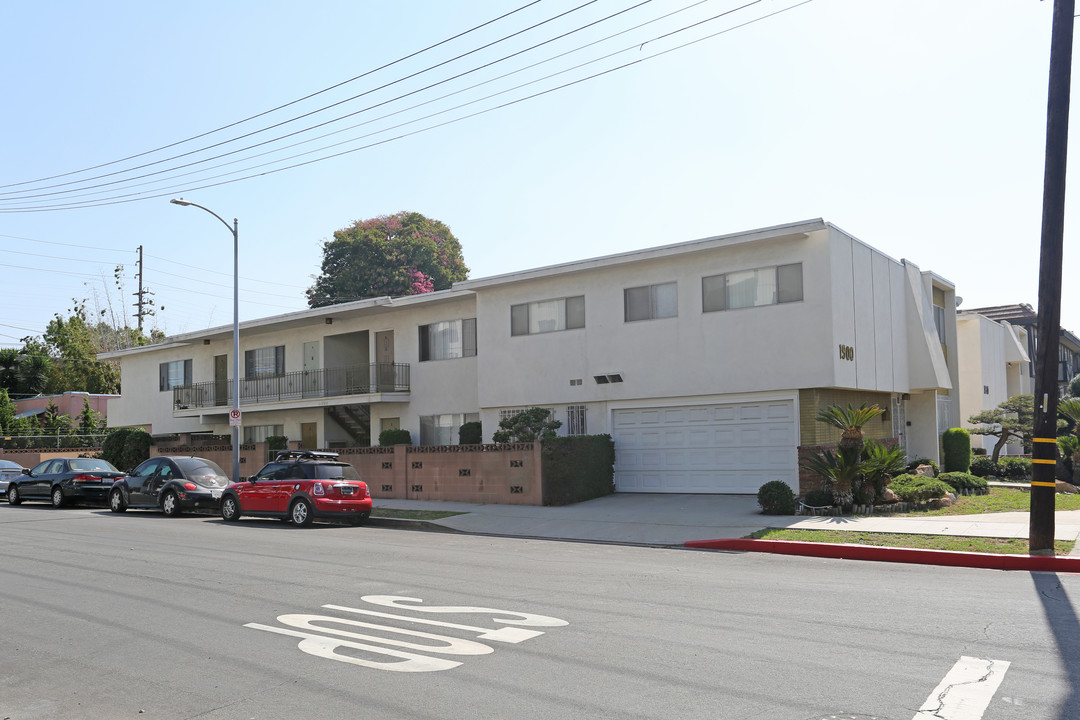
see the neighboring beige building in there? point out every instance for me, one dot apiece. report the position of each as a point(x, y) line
point(705, 360)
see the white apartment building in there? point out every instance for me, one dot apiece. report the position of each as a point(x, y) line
point(706, 361)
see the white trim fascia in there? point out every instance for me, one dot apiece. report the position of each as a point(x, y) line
point(113, 354)
point(799, 229)
point(724, 399)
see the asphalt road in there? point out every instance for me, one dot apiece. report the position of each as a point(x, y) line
point(139, 616)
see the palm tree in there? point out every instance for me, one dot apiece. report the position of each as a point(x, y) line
point(1070, 408)
point(850, 422)
point(839, 475)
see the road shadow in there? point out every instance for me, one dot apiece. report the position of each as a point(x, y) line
point(1063, 622)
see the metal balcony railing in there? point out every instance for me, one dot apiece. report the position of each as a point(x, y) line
point(328, 382)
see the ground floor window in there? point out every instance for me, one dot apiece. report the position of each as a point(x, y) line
point(575, 420)
point(259, 433)
point(443, 429)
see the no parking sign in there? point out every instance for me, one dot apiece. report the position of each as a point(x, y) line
point(234, 417)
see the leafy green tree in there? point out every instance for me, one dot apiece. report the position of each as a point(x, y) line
point(7, 411)
point(527, 426)
point(401, 254)
point(1011, 420)
point(72, 342)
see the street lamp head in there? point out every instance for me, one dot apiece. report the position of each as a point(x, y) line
point(180, 201)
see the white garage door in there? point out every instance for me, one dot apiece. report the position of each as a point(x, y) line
point(721, 448)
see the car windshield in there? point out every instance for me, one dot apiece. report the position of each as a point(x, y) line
point(204, 472)
point(8, 465)
point(331, 471)
point(90, 465)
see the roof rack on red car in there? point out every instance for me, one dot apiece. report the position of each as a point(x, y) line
point(304, 455)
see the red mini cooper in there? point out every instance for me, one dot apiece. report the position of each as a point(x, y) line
point(300, 485)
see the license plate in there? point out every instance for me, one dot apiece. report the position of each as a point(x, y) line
point(348, 490)
point(216, 494)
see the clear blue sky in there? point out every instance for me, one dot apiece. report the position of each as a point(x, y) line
point(916, 125)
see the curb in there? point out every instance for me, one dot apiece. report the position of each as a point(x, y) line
point(406, 524)
point(950, 558)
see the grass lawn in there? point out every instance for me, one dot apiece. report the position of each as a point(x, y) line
point(999, 500)
point(412, 514)
point(1008, 546)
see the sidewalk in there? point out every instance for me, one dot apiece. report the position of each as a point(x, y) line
point(673, 520)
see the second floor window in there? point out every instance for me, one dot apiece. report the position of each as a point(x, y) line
point(264, 362)
point(174, 374)
point(752, 288)
point(650, 302)
point(448, 339)
point(547, 316)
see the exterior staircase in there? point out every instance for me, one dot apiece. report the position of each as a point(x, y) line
point(355, 420)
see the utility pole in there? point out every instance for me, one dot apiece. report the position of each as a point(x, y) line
point(1044, 447)
point(144, 302)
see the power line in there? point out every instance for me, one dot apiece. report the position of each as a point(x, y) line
point(122, 199)
point(290, 120)
point(280, 107)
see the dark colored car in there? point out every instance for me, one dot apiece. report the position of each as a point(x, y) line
point(65, 480)
point(300, 485)
point(170, 484)
point(8, 470)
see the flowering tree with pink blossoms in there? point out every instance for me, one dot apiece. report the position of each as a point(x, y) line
point(401, 254)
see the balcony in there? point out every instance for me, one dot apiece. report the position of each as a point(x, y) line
point(293, 386)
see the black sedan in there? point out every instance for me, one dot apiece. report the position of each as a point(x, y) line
point(170, 484)
point(65, 480)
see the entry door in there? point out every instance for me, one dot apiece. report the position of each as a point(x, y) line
point(221, 379)
point(311, 369)
point(384, 357)
point(309, 435)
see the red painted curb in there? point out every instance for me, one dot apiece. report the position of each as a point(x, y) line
point(990, 561)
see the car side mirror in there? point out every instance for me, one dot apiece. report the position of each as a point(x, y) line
point(253, 478)
point(26, 471)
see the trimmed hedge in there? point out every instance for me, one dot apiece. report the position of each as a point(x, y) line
point(963, 481)
point(776, 498)
point(956, 447)
point(577, 468)
point(395, 436)
point(818, 498)
point(1014, 468)
point(471, 433)
point(918, 488)
point(983, 467)
point(126, 448)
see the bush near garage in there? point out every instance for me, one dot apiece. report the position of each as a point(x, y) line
point(577, 468)
point(818, 498)
point(919, 488)
point(776, 498)
point(965, 483)
point(125, 448)
point(1017, 469)
point(956, 447)
point(395, 436)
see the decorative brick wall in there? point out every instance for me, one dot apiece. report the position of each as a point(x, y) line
point(811, 400)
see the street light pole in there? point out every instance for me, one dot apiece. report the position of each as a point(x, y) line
point(235, 230)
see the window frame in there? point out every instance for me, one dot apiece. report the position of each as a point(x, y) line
point(716, 289)
point(656, 301)
point(251, 370)
point(165, 382)
point(525, 312)
point(464, 347)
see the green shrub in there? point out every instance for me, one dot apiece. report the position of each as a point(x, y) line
point(978, 451)
point(918, 488)
point(818, 498)
point(577, 468)
point(963, 481)
point(984, 467)
point(471, 433)
point(956, 446)
point(1015, 468)
point(277, 442)
point(776, 498)
point(395, 436)
point(916, 462)
point(126, 447)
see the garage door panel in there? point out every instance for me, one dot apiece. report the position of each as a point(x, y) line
point(717, 448)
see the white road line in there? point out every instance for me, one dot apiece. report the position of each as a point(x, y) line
point(965, 692)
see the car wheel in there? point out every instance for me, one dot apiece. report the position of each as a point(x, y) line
point(300, 513)
point(230, 509)
point(116, 501)
point(58, 497)
point(13, 496)
point(170, 504)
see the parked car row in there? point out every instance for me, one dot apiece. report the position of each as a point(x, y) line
point(298, 486)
